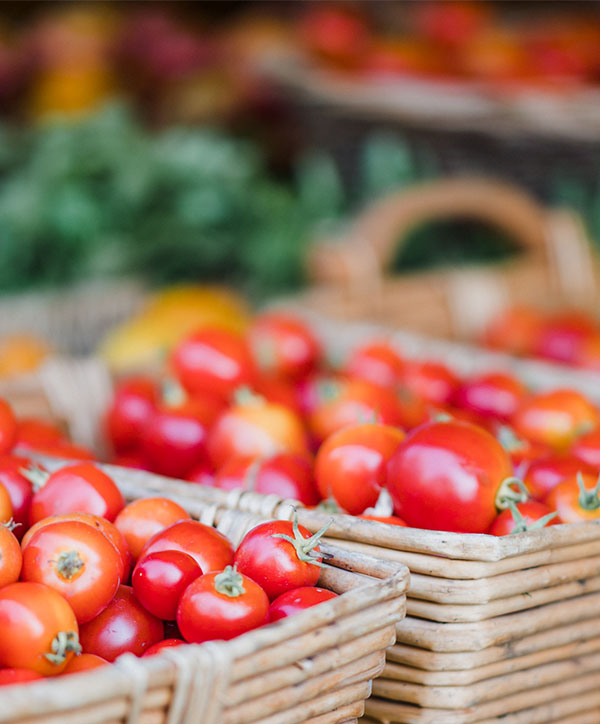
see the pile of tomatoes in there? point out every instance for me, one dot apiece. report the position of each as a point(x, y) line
point(404, 441)
point(85, 577)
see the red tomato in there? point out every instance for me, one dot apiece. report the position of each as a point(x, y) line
point(5, 506)
point(17, 676)
point(211, 550)
point(523, 517)
point(123, 626)
point(563, 337)
point(283, 345)
point(213, 361)
point(546, 472)
point(32, 431)
point(255, 428)
point(576, 498)
point(522, 452)
point(221, 606)
point(389, 519)
point(161, 646)
point(108, 529)
point(495, 395)
point(132, 406)
point(515, 330)
point(143, 518)
point(19, 489)
point(76, 560)
point(8, 428)
point(351, 465)
point(10, 557)
point(316, 389)
point(452, 23)
point(159, 580)
point(279, 556)
point(134, 460)
point(80, 488)
point(431, 381)
point(555, 418)
point(202, 474)
point(279, 391)
point(39, 629)
point(337, 35)
point(377, 363)
point(62, 449)
point(450, 476)
point(84, 662)
point(174, 438)
point(585, 448)
point(589, 354)
point(285, 475)
point(298, 599)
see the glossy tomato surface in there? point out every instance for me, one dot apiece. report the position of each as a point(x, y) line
point(162, 645)
point(10, 557)
point(447, 476)
point(585, 448)
point(298, 599)
point(132, 406)
point(8, 677)
point(576, 498)
point(221, 605)
point(351, 465)
point(123, 626)
point(495, 394)
point(84, 662)
point(376, 362)
point(19, 489)
point(431, 381)
point(283, 345)
point(546, 472)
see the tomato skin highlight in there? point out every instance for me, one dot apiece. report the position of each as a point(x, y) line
point(205, 614)
point(211, 550)
point(351, 465)
point(19, 490)
point(133, 404)
point(76, 560)
point(430, 381)
point(283, 345)
point(141, 519)
point(496, 395)
point(80, 488)
point(504, 524)
point(388, 519)
point(546, 472)
point(273, 562)
point(161, 645)
point(298, 599)
point(446, 475)
point(586, 448)
point(31, 616)
point(123, 626)
point(377, 363)
point(160, 579)
point(565, 498)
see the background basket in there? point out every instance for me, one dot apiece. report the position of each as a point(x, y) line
point(314, 668)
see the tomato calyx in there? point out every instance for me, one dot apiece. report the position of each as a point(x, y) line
point(62, 644)
point(36, 475)
point(304, 547)
point(442, 416)
point(229, 582)
point(329, 505)
point(172, 393)
point(507, 437)
point(507, 493)
point(69, 564)
point(246, 397)
point(588, 499)
point(11, 524)
point(521, 525)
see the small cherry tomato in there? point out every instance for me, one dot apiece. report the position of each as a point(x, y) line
point(84, 662)
point(202, 474)
point(108, 529)
point(351, 465)
point(285, 475)
point(123, 626)
point(555, 418)
point(377, 363)
point(495, 395)
point(585, 448)
point(213, 361)
point(161, 646)
point(132, 406)
point(11, 559)
point(76, 560)
point(255, 428)
point(389, 519)
point(450, 476)
point(211, 550)
point(337, 35)
point(221, 605)
point(430, 381)
point(17, 676)
point(279, 556)
point(160, 578)
point(32, 431)
point(39, 629)
point(546, 472)
point(515, 330)
point(279, 392)
point(522, 517)
point(80, 488)
point(563, 337)
point(298, 599)
point(63, 449)
point(143, 518)
point(8, 428)
point(19, 490)
point(6, 511)
point(576, 498)
point(283, 345)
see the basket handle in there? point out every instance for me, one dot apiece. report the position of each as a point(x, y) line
point(377, 231)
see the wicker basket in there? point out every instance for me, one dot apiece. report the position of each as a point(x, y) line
point(496, 629)
point(556, 268)
point(315, 667)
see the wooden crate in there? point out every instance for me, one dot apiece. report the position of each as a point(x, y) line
point(315, 667)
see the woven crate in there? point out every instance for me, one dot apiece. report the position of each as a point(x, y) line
point(315, 667)
point(496, 629)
